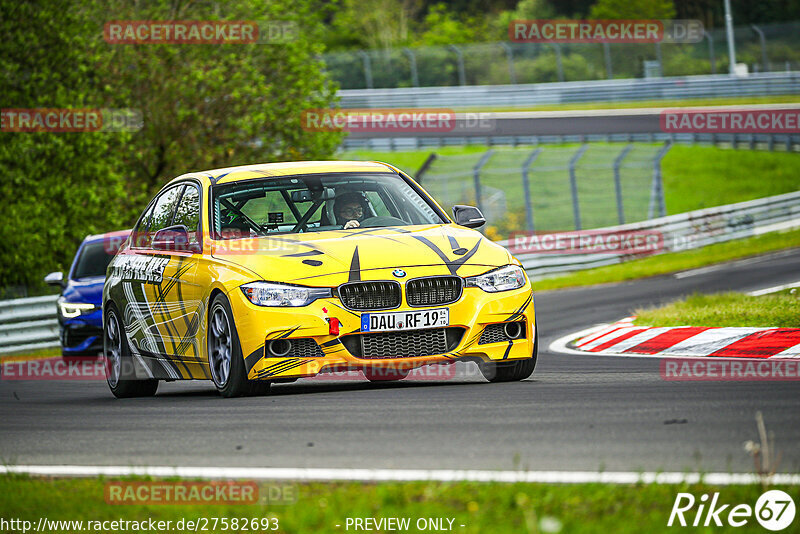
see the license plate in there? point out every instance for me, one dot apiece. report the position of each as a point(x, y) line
point(405, 320)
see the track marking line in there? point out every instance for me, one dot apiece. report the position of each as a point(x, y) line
point(773, 289)
point(404, 475)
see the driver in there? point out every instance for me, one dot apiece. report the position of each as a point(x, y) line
point(349, 209)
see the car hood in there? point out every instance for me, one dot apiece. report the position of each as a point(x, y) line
point(88, 290)
point(334, 257)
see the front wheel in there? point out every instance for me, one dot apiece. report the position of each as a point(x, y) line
point(120, 373)
point(225, 354)
point(511, 371)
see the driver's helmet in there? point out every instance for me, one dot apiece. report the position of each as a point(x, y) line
point(351, 197)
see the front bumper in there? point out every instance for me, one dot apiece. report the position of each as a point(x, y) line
point(475, 310)
point(81, 336)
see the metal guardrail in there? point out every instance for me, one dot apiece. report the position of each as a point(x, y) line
point(493, 96)
point(684, 231)
point(768, 141)
point(28, 324)
point(31, 324)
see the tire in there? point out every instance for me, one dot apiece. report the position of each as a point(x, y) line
point(120, 373)
point(512, 371)
point(225, 358)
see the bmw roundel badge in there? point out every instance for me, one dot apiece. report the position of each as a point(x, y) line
point(399, 273)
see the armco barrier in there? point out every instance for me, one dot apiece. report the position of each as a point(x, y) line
point(493, 96)
point(683, 231)
point(30, 324)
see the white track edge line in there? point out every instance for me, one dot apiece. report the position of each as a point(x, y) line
point(404, 475)
point(773, 289)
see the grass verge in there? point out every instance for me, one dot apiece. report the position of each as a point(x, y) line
point(726, 309)
point(695, 177)
point(675, 261)
point(320, 507)
point(31, 355)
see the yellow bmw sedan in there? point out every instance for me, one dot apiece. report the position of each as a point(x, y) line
point(262, 274)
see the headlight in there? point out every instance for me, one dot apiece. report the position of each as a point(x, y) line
point(73, 309)
point(502, 279)
point(280, 295)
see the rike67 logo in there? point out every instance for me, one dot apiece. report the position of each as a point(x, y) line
point(774, 510)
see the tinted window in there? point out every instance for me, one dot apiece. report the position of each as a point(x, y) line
point(92, 261)
point(162, 211)
point(140, 237)
point(188, 212)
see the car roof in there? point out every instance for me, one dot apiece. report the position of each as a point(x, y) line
point(100, 237)
point(287, 168)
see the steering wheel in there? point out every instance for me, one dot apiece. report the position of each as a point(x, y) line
point(375, 222)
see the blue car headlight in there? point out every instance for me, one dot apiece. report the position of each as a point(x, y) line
point(501, 279)
point(282, 295)
point(70, 310)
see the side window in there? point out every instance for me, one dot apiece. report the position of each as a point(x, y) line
point(377, 204)
point(162, 210)
point(188, 212)
point(140, 237)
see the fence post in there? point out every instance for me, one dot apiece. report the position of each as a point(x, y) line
point(660, 60)
point(573, 184)
point(526, 167)
point(462, 75)
point(476, 176)
point(367, 68)
point(607, 55)
point(657, 189)
point(763, 41)
point(559, 64)
point(512, 74)
point(618, 182)
point(424, 167)
point(711, 57)
point(412, 60)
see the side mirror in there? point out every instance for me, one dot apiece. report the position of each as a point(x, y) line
point(468, 216)
point(55, 279)
point(174, 239)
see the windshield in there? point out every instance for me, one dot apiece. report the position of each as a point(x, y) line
point(92, 261)
point(313, 203)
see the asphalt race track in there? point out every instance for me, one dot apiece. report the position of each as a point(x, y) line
point(576, 413)
point(571, 122)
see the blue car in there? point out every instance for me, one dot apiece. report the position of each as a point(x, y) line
point(80, 314)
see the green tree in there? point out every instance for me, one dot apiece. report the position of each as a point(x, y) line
point(203, 106)
point(56, 187)
point(208, 106)
point(633, 9)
